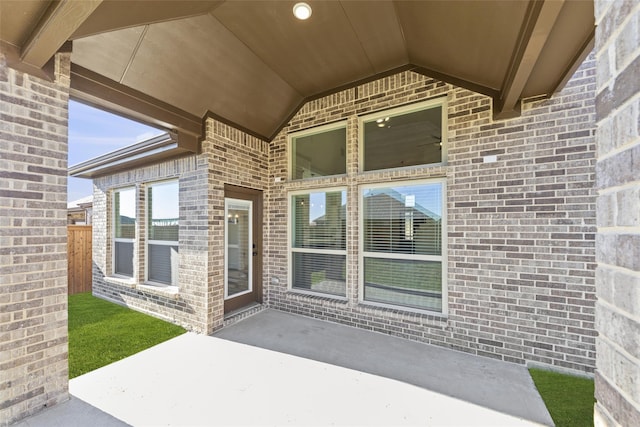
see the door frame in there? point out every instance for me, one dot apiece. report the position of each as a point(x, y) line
point(243, 193)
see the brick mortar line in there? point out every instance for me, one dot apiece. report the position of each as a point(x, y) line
point(618, 269)
point(615, 73)
point(616, 348)
point(614, 309)
point(619, 230)
point(613, 384)
point(614, 35)
point(618, 188)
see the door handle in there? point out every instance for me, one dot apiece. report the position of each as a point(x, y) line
point(255, 253)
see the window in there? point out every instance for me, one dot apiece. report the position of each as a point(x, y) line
point(124, 202)
point(405, 136)
point(402, 246)
point(319, 152)
point(162, 229)
point(318, 241)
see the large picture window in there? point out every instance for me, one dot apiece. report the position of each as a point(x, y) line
point(406, 136)
point(124, 202)
point(162, 233)
point(402, 246)
point(319, 152)
point(318, 241)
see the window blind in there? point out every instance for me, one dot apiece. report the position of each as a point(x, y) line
point(163, 263)
point(402, 242)
point(404, 220)
point(319, 242)
point(123, 258)
point(163, 232)
point(124, 231)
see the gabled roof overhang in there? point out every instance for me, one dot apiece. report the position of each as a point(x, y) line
point(143, 153)
point(252, 65)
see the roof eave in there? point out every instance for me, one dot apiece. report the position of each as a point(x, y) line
point(156, 149)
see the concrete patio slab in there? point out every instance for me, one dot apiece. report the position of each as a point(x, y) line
point(280, 369)
point(504, 387)
point(196, 380)
point(73, 412)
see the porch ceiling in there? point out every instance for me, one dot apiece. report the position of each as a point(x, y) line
point(252, 64)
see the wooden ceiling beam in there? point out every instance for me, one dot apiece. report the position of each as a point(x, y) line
point(474, 87)
point(55, 27)
point(117, 15)
point(104, 93)
point(576, 61)
point(12, 56)
point(539, 20)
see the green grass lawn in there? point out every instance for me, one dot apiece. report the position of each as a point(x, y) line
point(101, 332)
point(569, 399)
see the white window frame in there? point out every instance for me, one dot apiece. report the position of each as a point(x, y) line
point(227, 202)
point(291, 249)
point(442, 258)
point(400, 111)
point(342, 124)
point(148, 241)
point(121, 239)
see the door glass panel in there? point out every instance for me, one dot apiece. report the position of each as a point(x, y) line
point(238, 259)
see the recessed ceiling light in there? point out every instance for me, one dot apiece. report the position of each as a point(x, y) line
point(302, 11)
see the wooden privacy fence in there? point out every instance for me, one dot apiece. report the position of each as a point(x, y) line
point(79, 256)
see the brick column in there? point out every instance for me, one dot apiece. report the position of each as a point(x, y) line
point(238, 159)
point(618, 213)
point(33, 241)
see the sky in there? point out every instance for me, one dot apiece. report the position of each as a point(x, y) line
point(93, 132)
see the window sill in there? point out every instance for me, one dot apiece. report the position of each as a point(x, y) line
point(171, 292)
point(166, 291)
point(320, 178)
point(318, 296)
point(432, 316)
point(439, 168)
point(122, 281)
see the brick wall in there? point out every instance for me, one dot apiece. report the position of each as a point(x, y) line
point(185, 304)
point(229, 156)
point(233, 158)
point(618, 212)
point(521, 248)
point(33, 241)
